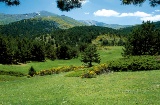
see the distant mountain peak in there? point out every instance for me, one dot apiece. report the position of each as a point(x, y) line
point(96, 23)
point(9, 18)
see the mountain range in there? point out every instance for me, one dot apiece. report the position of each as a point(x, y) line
point(64, 22)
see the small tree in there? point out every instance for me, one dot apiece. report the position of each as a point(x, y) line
point(90, 55)
point(32, 71)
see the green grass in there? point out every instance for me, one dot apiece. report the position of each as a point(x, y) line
point(110, 54)
point(119, 88)
point(106, 55)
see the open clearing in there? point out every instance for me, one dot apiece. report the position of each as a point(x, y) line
point(117, 88)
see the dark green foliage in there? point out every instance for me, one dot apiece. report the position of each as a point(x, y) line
point(135, 63)
point(32, 72)
point(11, 2)
point(67, 5)
point(20, 50)
point(152, 3)
point(29, 28)
point(90, 55)
point(38, 51)
point(50, 52)
point(11, 73)
point(144, 40)
point(66, 52)
point(82, 47)
point(7, 50)
point(82, 34)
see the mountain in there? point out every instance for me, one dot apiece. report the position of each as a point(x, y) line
point(29, 27)
point(63, 21)
point(96, 23)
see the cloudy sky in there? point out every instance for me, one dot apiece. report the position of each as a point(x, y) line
point(108, 11)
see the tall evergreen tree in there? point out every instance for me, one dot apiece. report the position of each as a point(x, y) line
point(143, 40)
point(90, 55)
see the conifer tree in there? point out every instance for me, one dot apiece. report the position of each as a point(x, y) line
point(90, 55)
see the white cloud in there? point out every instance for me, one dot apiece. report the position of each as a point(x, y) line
point(86, 13)
point(157, 10)
point(151, 18)
point(136, 14)
point(141, 15)
point(106, 13)
point(109, 13)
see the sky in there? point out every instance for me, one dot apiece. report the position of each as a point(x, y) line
point(107, 11)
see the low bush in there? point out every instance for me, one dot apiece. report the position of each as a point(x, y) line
point(59, 70)
point(90, 74)
point(32, 72)
point(77, 73)
point(96, 70)
point(12, 73)
point(135, 63)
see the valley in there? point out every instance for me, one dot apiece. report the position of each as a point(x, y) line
point(50, 59)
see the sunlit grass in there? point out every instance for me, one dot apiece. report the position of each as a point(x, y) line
point(121, 88)
point(117, 88)
point(105, 55)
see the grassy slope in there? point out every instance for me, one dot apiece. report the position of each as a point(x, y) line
point(106, 55)
point(127, 88)
point(122, 88)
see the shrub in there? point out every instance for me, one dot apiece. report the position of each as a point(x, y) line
point(32, 72)
point(11, 73)
point(59, 70)
point(96, 70)
point(135, 63)
point(90, 74)
point(103, 68)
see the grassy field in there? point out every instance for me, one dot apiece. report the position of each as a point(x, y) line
point(117, 88)
point(106, 55)
point(121, 88)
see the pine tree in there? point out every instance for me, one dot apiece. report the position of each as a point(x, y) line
point(90, 55)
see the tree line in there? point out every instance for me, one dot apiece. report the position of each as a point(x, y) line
point(22, 50)
point(143, 40)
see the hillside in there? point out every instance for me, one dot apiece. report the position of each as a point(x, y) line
point(96, 23)
point(63, 21)
point(127, 30)
point(9, 18)
point(38, 26)
point(80, 34)
point(28, 28)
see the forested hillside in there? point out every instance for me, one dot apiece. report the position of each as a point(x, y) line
point(76, 35)
point(28, 28)
point(127, 30)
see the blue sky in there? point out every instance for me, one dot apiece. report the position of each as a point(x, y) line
point(108, 11)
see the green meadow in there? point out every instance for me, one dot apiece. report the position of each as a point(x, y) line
point(115, 88)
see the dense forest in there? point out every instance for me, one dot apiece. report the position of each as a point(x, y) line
point(38, 40)
point(28, 28)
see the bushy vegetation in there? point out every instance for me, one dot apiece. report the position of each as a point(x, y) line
point(144, 40)
point(96, 70)
point(135, 63)
point(59, 70)
point(90, 55)
point(32, 71)
point(12, 73)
